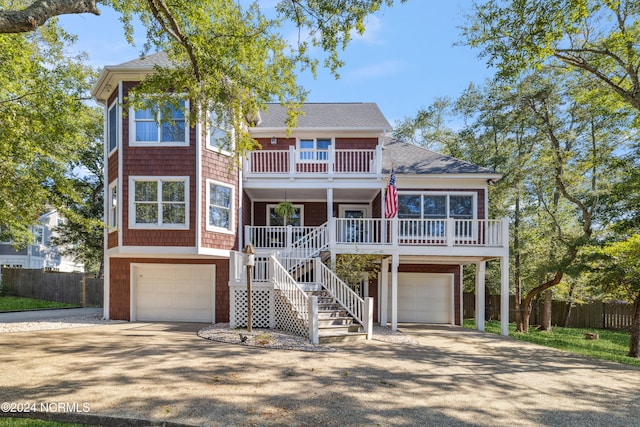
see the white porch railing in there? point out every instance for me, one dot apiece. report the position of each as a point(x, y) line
point(341, 292)
point(297, 162)
point(267, 237)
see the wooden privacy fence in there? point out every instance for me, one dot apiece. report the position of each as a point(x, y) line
point(71, 288)
point(596, 314)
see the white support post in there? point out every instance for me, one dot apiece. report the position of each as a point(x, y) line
point(379, 159)
point(395, 230)
point(331, 156)
point(330, 214)
point(367, 317)
point(289, 236)
point(332, 233)
point(505, 233)
point(313, 319)
point(394, 292)
point(504, 295)
point(481, 268)
point(384, 291)
point(451, 231)
point(316, 270)
point(247, 235)
point(292, 162)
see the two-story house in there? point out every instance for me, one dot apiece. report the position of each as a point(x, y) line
point(178, 218)
point(41, 253)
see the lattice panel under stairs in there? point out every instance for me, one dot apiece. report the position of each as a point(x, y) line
point(260, 307)
point(287, 319)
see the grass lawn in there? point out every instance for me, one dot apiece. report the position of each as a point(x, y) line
point(25, 422)
point(612, 345)
point(19, 303)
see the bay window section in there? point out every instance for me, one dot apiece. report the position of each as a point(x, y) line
point(159, 202)
point(220, 136)
point(112, 127)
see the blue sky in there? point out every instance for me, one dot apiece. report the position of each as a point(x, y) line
point(405, 59)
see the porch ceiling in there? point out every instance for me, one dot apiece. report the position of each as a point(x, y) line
point(362, 195)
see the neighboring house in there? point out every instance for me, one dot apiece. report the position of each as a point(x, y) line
point(40, 254)
point(178, 218)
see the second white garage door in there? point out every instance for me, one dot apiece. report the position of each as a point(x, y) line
point(173, 292)
point(424, 298)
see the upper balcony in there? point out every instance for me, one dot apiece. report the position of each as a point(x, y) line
point(313, 163)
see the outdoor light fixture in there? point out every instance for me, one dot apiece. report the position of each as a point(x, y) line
point(274, 140)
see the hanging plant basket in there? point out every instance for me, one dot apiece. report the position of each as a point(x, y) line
point(285, 209)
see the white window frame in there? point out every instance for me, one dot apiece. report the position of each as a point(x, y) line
point(447, 195)
point(38, 238)
point(315, 149)
point(271, 206)
point(232, 213)
point(158, 142)
point(159, 224)
point(229, 130)
point(114, 106)
point(112, 206)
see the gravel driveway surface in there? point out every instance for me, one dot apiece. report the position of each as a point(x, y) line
point(453, 376)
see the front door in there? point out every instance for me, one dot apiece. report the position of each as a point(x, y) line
point(353, 229)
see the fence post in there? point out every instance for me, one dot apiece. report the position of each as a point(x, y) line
point(84, 291)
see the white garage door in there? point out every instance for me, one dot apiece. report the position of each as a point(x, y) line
point(424, 298)
point(170, 292)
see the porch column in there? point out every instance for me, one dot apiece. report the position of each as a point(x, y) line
point(329, 205)
point(394, 292)
point(504, 295)
point(384, 291)
point(481, 268)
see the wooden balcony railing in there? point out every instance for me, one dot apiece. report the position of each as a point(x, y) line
point(389, 232)
point(301, 163)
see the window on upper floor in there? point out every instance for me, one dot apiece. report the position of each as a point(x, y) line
point(112, 209)
point(159, 202)
point(112, 127)
point(220, 211)
point(436, 206)
point(148, 127)
point(38, 235)
point(314, 150)
point(220, 137)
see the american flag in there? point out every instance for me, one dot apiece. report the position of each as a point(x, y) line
point(391, 199)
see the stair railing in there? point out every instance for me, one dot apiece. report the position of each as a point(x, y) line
point(309, 245)
point(343, 294)
point(290, 289)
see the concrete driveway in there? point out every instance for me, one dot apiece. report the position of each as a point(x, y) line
point(455, 376)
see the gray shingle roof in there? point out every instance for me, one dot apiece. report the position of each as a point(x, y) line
point(160, 59)
point(353, 115)
point(411, 159)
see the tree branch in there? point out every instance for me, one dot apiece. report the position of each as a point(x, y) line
point(38, 12)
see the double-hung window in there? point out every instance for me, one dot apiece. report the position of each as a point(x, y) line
point(219, 207)
point(112, 215)
point(112, 127)
point(38, 235)
point(314, 150)
point(167, 126)
point(220, 136)
point(159, 202)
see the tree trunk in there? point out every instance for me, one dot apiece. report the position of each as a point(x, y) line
point(634, 339)
point(526, 303)
point(567, 317)
point(546, 313)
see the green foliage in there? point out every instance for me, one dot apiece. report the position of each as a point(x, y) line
point(597, 39)
point(10, 303)
point(350, 268)
point(286, 210)
point(611, 345)
point(44, 124)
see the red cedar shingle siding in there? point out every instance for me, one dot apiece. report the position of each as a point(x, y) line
point(112, 239)
point(247, 209)
point(112, 166)
point(120, 284)
point(217, 167)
